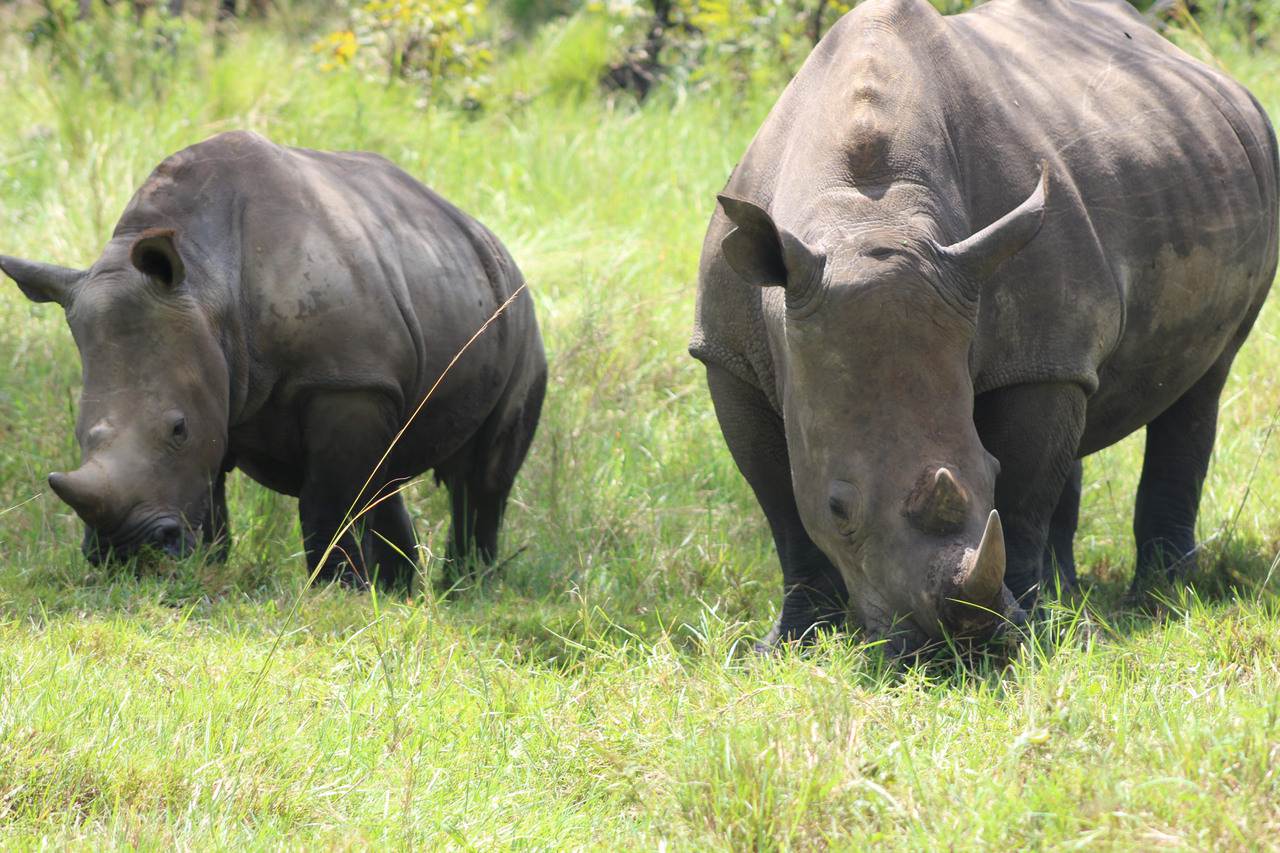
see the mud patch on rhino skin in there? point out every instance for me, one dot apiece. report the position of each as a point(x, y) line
point(313, 306)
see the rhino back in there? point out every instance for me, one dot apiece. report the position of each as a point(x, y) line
point(1163, 191)
point(336, 269)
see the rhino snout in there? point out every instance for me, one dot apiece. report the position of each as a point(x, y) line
point(164, 534)
point(974, 598)
point(169, 536)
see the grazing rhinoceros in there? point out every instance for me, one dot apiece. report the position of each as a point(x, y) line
point(907, 366)
point(285, 311)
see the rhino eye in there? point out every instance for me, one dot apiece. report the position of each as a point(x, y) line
point(845, 505)
point(179, 430)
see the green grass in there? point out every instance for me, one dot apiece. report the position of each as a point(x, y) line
point(596, 694)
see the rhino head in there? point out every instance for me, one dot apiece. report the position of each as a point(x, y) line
point(891, 479)
point(152, 424)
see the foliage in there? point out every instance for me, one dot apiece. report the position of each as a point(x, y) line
point(754, 41)
point(129, 51)
point(1249, 22)
point(741, 44)
point(562, 61)
point(434, 42)
point(748, 43)
point(527, 15)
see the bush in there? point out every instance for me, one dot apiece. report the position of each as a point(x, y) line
point(433, 42)
point(740, 43)
point(753, 41)
point(744, 43)
point(528, 15)
point(132, 50)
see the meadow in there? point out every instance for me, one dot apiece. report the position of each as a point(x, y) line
point(597, 691)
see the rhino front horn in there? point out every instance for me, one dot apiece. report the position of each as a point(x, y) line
point(982, 571)
point(77, 492)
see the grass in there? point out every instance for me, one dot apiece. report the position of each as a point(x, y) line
point(596, 693)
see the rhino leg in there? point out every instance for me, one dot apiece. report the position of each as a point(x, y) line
point(814, 594)
point(1034, 431)
point(217, 532)
point(1059, 553)
point(477, 508)
point(480, 478)
point(345, 435)
point(1179, 443)
point(389, 545)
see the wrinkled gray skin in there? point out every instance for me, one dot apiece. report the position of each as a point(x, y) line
point(906, 325)
point(284, 311)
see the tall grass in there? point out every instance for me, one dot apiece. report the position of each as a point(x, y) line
point(595, 693)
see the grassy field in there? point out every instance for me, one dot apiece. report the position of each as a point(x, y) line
point(596, 694)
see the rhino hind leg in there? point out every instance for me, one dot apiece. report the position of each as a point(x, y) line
point(1179, 444)
point(389, 545)
point(477, 509)
point(479, 479)
point(345, 435)
point(1034, 431)
point(1059, 567)
point(814, 594)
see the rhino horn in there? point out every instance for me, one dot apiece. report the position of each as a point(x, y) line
point(80, 490)
point(41, 282)
point(949, 499)
point(982, 570)
point(981, 254)
point(938, 504)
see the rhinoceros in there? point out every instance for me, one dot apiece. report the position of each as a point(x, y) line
point(285, 311)
point(961, 254)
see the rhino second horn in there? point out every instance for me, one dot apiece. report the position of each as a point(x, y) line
point(939, 504)
point(982, 572)
point(950, 503)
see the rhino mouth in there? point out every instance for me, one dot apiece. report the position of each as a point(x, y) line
point(906, 640)
point(162, 534)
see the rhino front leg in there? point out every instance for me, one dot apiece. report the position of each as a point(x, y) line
point(345, 434)
point(1034, 431)
point(1059, 552)
point(814, 594)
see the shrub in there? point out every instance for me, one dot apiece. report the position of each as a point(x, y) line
point(132, 50)
point(739, 43)
point(433, 42)
point(742, 43)
point(528, 15)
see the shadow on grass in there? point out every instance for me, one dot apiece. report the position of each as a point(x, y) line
point(1229, 577)
point(553, 624)
point(1225, 573)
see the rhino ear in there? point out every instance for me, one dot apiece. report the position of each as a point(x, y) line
point(761, 252)
point(41, 282)
point(982, 254)
point(155, 253)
